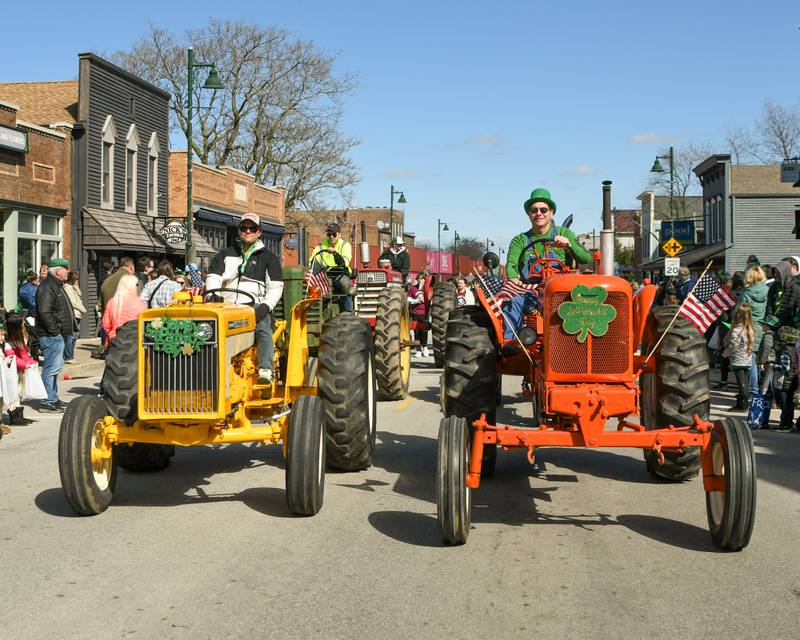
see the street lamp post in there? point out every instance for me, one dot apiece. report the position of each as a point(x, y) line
point(212, 82)
point(455, 252)
point(441, 226)
point(487, 244)
point(657, 168)
point(400, 200)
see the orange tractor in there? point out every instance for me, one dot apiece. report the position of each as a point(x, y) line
point(590, 355)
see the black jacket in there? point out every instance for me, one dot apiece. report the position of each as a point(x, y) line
point(400, 261)
point(262, 276)
point(54, 315)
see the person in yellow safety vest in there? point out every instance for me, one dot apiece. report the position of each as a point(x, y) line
point(335, 254)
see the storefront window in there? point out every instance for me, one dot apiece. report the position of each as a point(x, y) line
point(26, 255)
point(27, 223)
point(39, 241)
point(49, 226)
point(49, 250)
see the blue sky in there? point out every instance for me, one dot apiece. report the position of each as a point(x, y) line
point(467, 106)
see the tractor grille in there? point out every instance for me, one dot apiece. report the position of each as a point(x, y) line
point(368, 289)
point(182, 384)
point(611, 353)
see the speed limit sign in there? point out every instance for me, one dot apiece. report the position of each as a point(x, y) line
point(671, 266)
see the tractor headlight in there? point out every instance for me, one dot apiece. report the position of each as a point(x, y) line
point(205, 330)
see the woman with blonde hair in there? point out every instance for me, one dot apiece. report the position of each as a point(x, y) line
point(755, 295)
point(740, 350)
point(126, 305)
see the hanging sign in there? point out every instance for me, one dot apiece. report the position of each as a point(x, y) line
point(174, 232)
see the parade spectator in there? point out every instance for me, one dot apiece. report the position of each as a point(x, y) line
point(397, 256)
point(124, 306)
point(159, 292)
point(253, 269)
point(789, 301)
point(685, 283)
point(73, 292)
point(144, 271)
point(17, 345)
point(109, 286)
point(725, 319)
point(464, 297)
point(44, 271)
point(740, 351)
point(786, 362)
point(54, 323)
point(27, 292)
point(418, 311)
point(755, 296)
point(783, 272)
point(752, 261)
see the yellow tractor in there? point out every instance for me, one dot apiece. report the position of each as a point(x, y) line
point(187, 375)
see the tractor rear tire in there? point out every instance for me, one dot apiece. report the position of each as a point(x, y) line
point(89, 488)
point(677, 391)
point(731, 513)
point(453, 496)
point(305, 456)
point(144, 457)
point(442, 303)
point(470, 378)
point(121, 375)
point(392, 351)
point(348, 389)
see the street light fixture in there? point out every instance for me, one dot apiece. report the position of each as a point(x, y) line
point(487, 244)
point(212, 82)
point(657, 168)
point(400, 200)
point(441, 226)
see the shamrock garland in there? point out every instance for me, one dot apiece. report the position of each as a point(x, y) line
point(586, 313)
point(174, 337)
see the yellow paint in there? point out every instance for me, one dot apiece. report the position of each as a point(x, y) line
point(404, 404)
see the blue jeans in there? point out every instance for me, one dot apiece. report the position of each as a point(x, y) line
point(753, 381)
point(343, 299)
point(53, 351)
point(264, 343)
point(514, 310)
point(69, 346)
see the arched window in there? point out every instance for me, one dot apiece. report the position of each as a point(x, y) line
point(153, 149)
point(131, 160)
point(107, 164)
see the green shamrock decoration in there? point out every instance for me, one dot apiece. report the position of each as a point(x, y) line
point(174, 337)
point(586, 313)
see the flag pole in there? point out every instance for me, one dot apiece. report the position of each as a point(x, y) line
point(671, 322)
point(500, 308)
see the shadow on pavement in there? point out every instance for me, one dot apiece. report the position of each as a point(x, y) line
point(183, 481)
point(779, 463)
point(416, 529)
point(412, 458)
point(428, 394)
point(671, 532)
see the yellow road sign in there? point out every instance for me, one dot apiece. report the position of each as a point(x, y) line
point(672, 247)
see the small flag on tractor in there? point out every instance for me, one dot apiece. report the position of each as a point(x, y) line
point(316, 277)
point(706, 303)
point(503, 290)
point(195, 280)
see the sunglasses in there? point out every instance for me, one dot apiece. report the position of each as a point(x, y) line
point(331, 234)
point(539, 209)
point(248, 229)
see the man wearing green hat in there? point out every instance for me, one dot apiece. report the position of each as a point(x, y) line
point(54, 323)
point(540, 208)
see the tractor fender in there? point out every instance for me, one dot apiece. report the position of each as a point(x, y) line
point(642, 301)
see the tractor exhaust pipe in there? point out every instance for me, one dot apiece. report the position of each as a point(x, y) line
point(364, 246)
point(607, 234)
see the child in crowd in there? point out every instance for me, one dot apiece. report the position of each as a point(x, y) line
point(740, 351)
point(17, 339)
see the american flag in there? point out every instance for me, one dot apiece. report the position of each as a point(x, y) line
point(195, 281)
point(316, 277)
point(503, 290)
point(706, 303)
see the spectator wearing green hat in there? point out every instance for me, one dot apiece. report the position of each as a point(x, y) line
point(540, 208)
point(54, 324)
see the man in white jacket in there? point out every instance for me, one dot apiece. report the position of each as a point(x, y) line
point(254, 270)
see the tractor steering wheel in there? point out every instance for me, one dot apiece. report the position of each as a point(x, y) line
point(333, 271)
point(232, 290)
point(548, 267)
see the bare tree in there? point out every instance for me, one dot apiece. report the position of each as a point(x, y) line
point(744, 145)
point(468, 246)
point(779, 130)
point(684, 182)
point(279, 115)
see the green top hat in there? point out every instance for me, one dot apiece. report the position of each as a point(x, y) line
point(539, 195)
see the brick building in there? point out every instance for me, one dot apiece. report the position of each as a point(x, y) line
point(220, 195)
point(35, 181)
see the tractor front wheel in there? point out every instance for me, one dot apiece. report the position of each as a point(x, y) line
point(731, 513)
point(453, 499)
point(87, 465)
point(305, 456)
point(442, 303)
point(348, 390)
point(677, 390)
point(392, 351)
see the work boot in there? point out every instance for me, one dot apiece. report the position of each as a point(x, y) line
point(17, 419)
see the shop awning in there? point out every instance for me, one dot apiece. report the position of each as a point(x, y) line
point(700, 255)
point(105, 230)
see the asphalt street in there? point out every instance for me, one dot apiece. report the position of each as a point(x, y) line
point(583, 544)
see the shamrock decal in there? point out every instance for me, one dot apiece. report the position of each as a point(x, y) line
point(174, 337)
point(586, 313)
